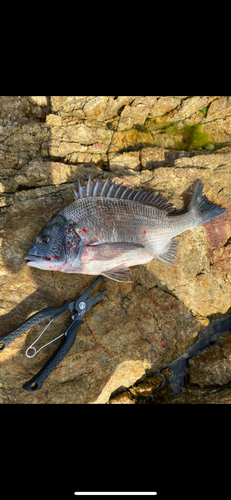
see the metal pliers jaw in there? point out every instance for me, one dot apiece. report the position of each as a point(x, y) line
point(81, 306)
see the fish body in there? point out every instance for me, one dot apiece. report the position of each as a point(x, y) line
point(109, 228)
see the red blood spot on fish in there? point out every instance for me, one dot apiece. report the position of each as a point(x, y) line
point(37, 253)
point(144, 232)
point(84, 231)
point(70, 230)
point(71, 245)
point(47, 258)
point(57, 257)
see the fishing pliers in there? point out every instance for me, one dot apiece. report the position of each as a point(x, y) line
point(81, 306)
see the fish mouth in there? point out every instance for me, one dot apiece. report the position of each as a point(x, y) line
point(32, 258)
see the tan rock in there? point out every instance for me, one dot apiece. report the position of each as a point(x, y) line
point(66, 104)
point(164, 105)
point(88, 158)
point(212, 366)
point(150, 385)
point(104, 108)
point(133, 115)
point(218, 130)
point(60, 150)
point(190, 106)
point(130, 140)
point(39, 100)
point(129, 160)
point(125, 398)
point(96, 107)
point(153, 157)
point(219, 108)
point(54, 120)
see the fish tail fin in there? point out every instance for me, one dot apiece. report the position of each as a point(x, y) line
point(202, 209)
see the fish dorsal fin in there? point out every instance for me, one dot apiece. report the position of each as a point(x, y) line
point(108, 190)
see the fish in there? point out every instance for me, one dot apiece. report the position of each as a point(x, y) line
point(110, 227)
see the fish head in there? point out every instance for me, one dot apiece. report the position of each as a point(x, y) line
point(56, 245)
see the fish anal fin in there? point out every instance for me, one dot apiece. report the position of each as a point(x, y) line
point(169, 252)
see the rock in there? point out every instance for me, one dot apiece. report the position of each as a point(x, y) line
point(53, 120)
point(39, 100)
point(124, 398)
point(212, 366)
point(205, 364)
point(219, 108)
point(125, 161)
point(164, 143)
point(189, 106)
point(164, 105)
point(153, 158)
point(136, 113)
point(147, 387)
point(201, 396)
point(218, 130)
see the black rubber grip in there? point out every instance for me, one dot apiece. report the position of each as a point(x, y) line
point(35, 383)
point(49, 312)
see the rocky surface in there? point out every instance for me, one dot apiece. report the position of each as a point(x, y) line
point(165, 143)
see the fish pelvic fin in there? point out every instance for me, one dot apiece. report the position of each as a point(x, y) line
point(202, 209)
point(117, 274)
point(169, 252)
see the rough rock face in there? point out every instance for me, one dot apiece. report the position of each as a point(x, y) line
point(162, 143)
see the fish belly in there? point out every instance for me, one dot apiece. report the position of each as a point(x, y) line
point(92, 265)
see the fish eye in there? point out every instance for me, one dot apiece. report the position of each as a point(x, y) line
point(43, 240)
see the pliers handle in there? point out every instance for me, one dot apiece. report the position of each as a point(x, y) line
point(49, 312)
point(36, 382)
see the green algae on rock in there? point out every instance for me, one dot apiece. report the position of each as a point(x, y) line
point(192, 138)
point(176, 135)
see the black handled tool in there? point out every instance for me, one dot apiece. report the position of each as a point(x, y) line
point(81, 306)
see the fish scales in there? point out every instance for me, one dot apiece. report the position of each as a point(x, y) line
point(112, 217)
point(109, 228)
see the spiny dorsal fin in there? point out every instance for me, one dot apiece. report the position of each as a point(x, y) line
point(106, 189)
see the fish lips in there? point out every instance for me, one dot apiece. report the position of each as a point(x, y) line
point(33, 259)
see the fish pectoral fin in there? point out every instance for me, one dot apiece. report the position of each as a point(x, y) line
point(118, 273)
point(169, 252)
point(107, 251)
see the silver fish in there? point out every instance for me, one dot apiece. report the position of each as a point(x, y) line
point(110, 227)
